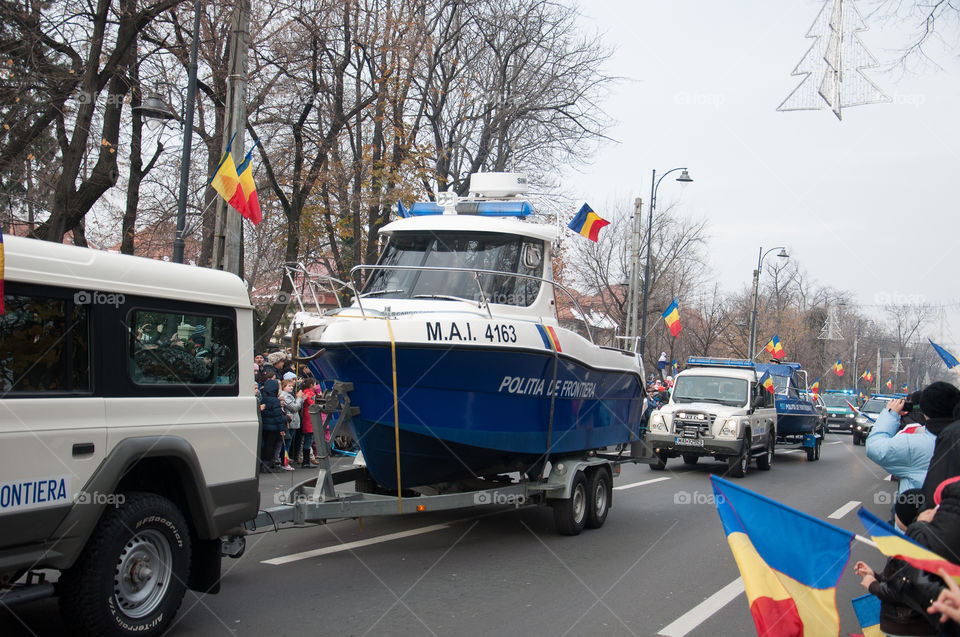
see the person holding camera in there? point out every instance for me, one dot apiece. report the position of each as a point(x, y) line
point(904, 455)
point(941, 404)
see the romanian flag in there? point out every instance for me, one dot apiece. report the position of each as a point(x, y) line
point(775, 348)
point(892, 543)
point(767, 382)
point(948, 359)
point(587, 223)
point(790, 562)
point(838, 367)
point(671, 316)
point(549, 337)
point(867, 608)
point(226, 182)
point(815, 387)
point(889, 383)
point(867, 376)
point(1, 271)
point(252, 205)
point(904, 388)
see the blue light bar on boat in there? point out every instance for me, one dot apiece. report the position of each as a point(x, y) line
point(719, 362)
point(482, 208)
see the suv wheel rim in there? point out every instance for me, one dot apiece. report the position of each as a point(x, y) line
point(143, 574)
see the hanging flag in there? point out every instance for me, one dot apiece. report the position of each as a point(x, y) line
point(587, 223)
point(890, 383)
point(1, 272)
point(775, 348)
point(252, 205)
point(867, 608)
point(838, 368)
point(402, 210)
point(790, 562)
point(892, 543)
point(867, 376)
point(226, 182)
point(671, 316)
point(904, 388)
point(767, 383)
point(948, 359)
point(815, 387)
point(673, 367)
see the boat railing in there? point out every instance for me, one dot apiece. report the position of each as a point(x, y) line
point(477, 274)
point(311, 281)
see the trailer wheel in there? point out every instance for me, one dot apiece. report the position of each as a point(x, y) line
point(813, 453)
point(690, 458)
point(600, 492)
point(570, 514)
point(766, 460)
point(131, 577)
point(856, 439)
point(661, 462)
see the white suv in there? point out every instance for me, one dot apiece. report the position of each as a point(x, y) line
point(128, 431)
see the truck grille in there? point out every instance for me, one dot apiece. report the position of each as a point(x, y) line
point(693, 424)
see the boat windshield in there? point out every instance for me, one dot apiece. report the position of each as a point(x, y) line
point(875, 405)
point(711, 389)
point(476, 251)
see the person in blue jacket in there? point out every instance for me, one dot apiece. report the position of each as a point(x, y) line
point(905, 454)
point(274, 421)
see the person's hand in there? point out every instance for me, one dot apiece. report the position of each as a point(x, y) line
point(927, 516)
point(300, 394)
point(262, 407)
point(948, 603)
point(896, 406)
point(867, 576)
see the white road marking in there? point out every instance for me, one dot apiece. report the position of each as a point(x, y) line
point(845, 509)
point(639, 484)
point(349, 546)
point(704, 610)
point(835, 442)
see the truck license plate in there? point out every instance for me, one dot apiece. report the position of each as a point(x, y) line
point(688, 442)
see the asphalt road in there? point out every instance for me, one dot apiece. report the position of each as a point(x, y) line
point(659, 566)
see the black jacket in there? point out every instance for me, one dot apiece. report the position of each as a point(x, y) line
point(945, 462)
point(272, 414)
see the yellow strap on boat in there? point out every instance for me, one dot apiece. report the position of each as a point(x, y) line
point(396, 415)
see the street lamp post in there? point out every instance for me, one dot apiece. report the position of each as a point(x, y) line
point(756, 287)
point(178, 243)
point(684, 178)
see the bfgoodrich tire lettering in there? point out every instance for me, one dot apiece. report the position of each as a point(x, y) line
point(131, 576)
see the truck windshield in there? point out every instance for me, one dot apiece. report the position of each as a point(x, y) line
point(875, 405)
point(714, 389)
point(474, 250)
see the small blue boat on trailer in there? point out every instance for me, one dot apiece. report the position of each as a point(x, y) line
point(796, 414)
point(453, 357)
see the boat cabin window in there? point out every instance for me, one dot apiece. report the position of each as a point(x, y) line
point(475, 251)
point(710, 389)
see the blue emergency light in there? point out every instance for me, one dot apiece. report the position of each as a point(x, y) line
point(481, 208)
point(720, 362)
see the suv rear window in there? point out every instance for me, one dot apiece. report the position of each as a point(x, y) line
point(179, 349)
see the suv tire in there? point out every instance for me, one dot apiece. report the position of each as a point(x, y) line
point(766, 460)
point(131, 576)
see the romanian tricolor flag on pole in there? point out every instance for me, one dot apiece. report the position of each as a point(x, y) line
point(775, 348)
point(766, 381)
point(226, 182)
point(671, 316)
point(838, 368)
point(815, 387)
point(867, 608)
point(790, 562)
point(587, 223)
point(252, 205)
point(904, 388)
point(892, 543)
point(890, 383)
point(867, 376)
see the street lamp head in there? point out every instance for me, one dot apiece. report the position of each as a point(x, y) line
point(154, 107)
point(783, 254)
point(684, 177)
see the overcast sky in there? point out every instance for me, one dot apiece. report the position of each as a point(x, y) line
point(868, 204)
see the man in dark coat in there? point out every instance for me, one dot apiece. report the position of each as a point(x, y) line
point(274, 422)
point(939, 402)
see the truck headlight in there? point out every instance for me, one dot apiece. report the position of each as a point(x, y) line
point(850, 415)
point(730, 429)
point(861, 420)
point(657, 423)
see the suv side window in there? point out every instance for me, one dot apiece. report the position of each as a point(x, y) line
point(44, 345)
point(168, 348)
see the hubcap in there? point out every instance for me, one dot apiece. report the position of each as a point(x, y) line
point(600, 498)
point(579, 503)
point(143, 574)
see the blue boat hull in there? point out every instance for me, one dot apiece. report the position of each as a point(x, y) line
point(467, 412)
point(795, 417)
